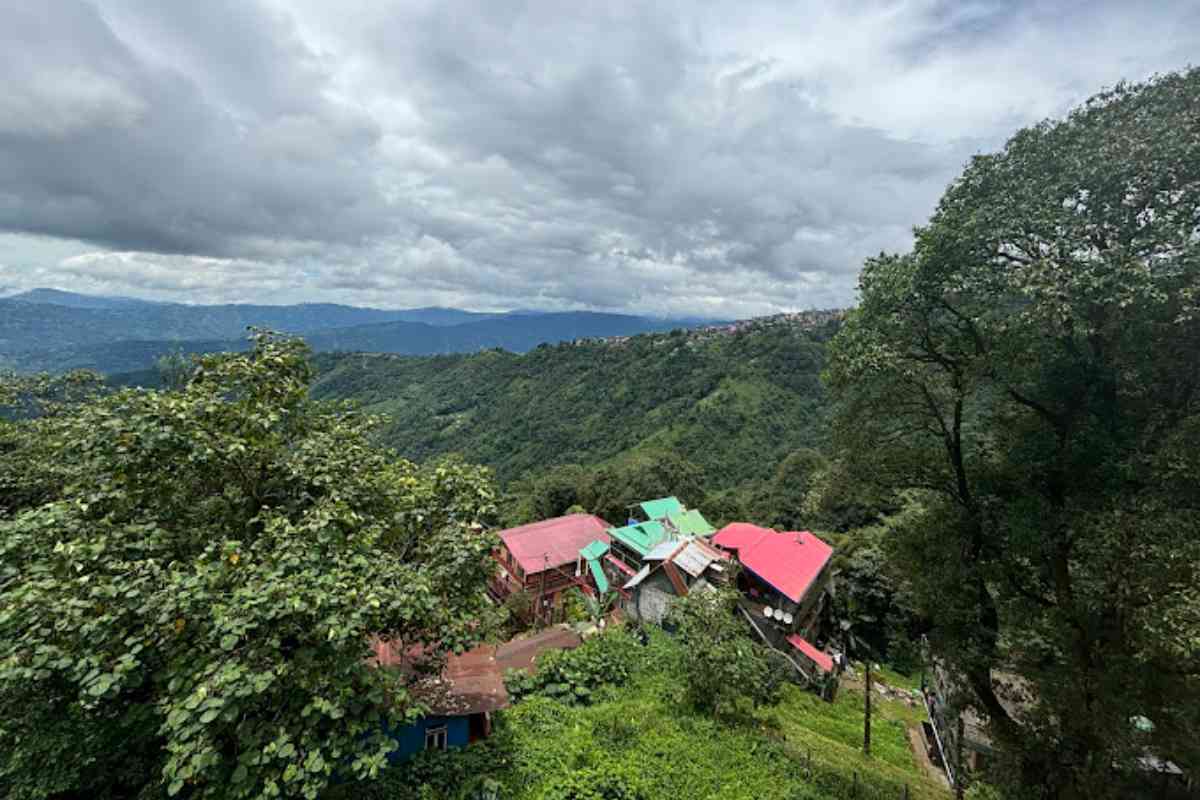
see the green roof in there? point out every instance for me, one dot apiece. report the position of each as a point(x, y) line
point(691, 523)
point(598, 574)
point(640, 537)
point(594, 550)
point(662, 507)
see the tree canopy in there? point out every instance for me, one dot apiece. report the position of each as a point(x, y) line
point(721, 663)
point(1027, 377)
point(186, 605)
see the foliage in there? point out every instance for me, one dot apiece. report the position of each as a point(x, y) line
point(518, 612)
point(574, 676)
point(1027, 378)
point(611, 490)
point(780, 505)
point(596, 606)
point(187, 611)
point(174, 370)
point(872, 598)
point(458, 774)
point(721, 664)
point(601, 425)
point(839, 499)
point(36, 402)
point(801, 749)
point(601, 782)
point(982, 791)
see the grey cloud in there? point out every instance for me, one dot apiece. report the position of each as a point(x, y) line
point(724, 158)
point(125, 150)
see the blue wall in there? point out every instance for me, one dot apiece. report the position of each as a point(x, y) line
point(412, 737)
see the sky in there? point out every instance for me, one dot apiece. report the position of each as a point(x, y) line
point(722, 158)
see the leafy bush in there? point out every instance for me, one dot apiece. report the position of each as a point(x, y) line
point(573, 675)
point(459, 774)
point(721, 663)
point(613, 781)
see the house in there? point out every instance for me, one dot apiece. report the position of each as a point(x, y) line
point(465, 694)
point(667, 521)
point(784, 581)
point(672, 569)
point(630, 543)
point(542, 559)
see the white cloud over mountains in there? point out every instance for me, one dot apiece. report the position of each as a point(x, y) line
point(724, 158)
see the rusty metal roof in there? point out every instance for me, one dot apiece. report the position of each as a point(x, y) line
point(471, 682)
point(694, 557)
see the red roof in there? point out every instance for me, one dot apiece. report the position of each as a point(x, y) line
point(818, 657)
point(790, 562)
point(553, 542)
point(619, 564)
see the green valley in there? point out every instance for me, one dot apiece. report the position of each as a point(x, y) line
point(720, 407)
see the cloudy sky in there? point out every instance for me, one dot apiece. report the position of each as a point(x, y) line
point(710, 158)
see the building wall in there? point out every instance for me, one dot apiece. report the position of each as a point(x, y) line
point(412, 737)
point(652, 597)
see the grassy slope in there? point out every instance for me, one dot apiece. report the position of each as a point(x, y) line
point(735, 405)
point(645, 729)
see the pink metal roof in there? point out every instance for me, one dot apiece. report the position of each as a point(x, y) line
point(790, 562)
point(821, 659)
point(553, 542)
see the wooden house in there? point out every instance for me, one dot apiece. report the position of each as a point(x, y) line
point(785, 580)
point(542, 559)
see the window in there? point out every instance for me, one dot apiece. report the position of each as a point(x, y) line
point(436, 738)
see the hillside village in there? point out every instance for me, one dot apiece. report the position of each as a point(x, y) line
point(633, 572)
point(282, 519)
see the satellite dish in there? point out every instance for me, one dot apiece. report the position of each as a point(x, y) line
point(787, 619)
point(767, 612)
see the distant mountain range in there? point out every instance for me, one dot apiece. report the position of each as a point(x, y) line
point(53, 330)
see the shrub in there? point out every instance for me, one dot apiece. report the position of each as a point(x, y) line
point(612, 781)
point(573, 675)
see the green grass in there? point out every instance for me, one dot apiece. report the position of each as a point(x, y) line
point(803, 749)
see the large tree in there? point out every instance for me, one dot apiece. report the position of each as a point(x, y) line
point(1028, 378)
point(186, 600)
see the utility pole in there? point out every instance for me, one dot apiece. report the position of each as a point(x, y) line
point(867, 710)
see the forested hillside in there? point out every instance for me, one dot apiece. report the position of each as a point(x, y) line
point(730, 405)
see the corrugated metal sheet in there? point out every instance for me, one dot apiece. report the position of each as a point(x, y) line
point(594, 550)
point(640, 537)
point(788, 561)
point(636, 579)
point(618, 563)
point(553, 542)
point(693, 558)
point(676, 579)
point(662, 551)
point(823, 660)
point(662, 507)
point(598, 575)
point(473, 681)
point(691, 523)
